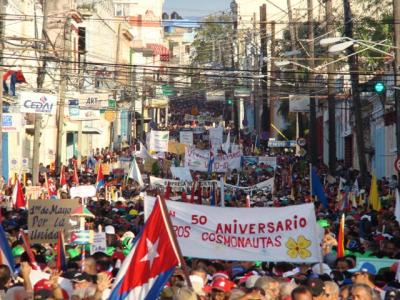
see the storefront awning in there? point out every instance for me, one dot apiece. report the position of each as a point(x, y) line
point(160, 50)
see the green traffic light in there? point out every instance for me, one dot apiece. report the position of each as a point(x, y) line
point(379, 87)
point(230, 101)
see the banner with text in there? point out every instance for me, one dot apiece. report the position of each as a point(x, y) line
point(198, 160)
point(47, 217)
point(245, 234)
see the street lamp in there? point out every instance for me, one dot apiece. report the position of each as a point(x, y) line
point(339, 44)
point(283, 63)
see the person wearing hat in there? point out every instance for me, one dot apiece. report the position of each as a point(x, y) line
point(221, 289)
point(366, 275)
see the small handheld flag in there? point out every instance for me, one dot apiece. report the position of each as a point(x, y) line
point(100, 182)
point(6, 257)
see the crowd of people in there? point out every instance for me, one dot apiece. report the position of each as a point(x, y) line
point(118, 210)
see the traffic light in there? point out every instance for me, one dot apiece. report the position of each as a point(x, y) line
point(379, 87)
point(229, 101)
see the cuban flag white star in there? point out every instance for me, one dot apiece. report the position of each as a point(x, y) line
point(152, 253)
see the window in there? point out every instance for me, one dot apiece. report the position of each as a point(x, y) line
point(119, 10)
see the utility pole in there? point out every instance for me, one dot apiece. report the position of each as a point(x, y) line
point(273, 73)
point(263, 106)
point(142, 137)
point(1, 88)
point(331, 93)
point(62, 89)
point(357, 107)
point(396, 25)
point(235, 65)
point(39, 84)
point(312, 147)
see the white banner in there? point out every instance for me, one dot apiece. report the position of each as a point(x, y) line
point(11, 122)
point(268, 160)
point(158, 141)
point(186, 137)
point(245, 234)
point(178, 185)
point(181, 173)
point(95, 100)
point(198, 160)
point(38, 103)
point(267, 185)
point(83, 191)
point(85, 115)
point(216, 136)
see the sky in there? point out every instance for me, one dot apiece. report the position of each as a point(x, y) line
point(195, 8)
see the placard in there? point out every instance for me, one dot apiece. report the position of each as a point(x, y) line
point(216, 136)
point(158, 141)
point(245, 234)
point(186, 137)
point(47, 217)
point(99, 243)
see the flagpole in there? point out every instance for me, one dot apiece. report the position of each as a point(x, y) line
point(311, 194)
point(175, 240)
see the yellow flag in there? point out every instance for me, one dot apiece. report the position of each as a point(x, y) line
point(374, 200)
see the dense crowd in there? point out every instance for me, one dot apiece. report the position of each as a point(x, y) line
point(118, 211)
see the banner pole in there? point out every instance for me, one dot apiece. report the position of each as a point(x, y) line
point(175, 240)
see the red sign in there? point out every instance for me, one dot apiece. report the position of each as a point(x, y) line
point(397, 164)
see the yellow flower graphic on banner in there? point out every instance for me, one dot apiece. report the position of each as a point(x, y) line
point(298, 248)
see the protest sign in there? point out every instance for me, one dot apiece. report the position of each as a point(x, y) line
point(158, 141)
point(33, 192)
point(47, 217)
point(216, 136)
point(83, 191)
point(176, 148)
point(245, 234)
point(182, 173)
point(186, 137)
point(268, 161)
point(198, 160)
point(99, 243)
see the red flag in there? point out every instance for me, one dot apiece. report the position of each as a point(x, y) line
point(63, 179)
point(184, 198)
point(167, 192)
point(340, 246)
point(199, 195)
point(28, 250)
point(75, 178)
point(18, 196)
point(61, 263)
